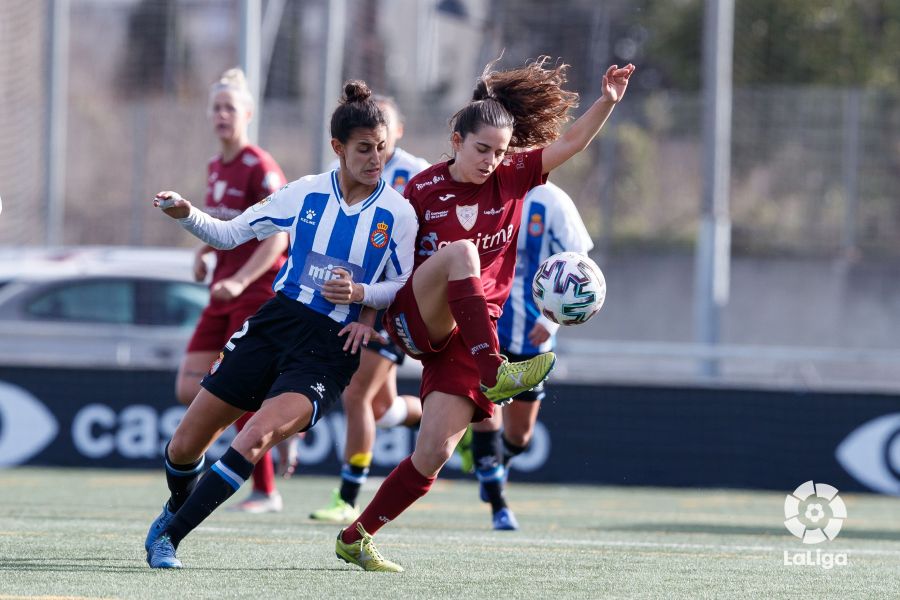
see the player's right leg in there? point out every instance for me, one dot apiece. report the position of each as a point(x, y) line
point(360, 437)
point(449, 293)
point(444, 420)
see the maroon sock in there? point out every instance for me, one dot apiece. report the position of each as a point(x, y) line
point(469, 308)
point(398, 491)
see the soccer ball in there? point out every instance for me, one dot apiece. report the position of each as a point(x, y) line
point(569, 288)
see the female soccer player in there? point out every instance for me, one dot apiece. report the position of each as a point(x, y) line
point(469, 210)
point(371, 401)
point(351, 244)
point(550, 224)
point(241, 175)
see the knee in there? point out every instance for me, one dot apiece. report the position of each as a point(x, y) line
point(432, 456)
point(251, 438)
point(465, 250)
point(519, 438)
point(464, 253)
point(180, 451)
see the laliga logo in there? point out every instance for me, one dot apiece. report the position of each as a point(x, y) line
point(26, 426)
point(814, 512)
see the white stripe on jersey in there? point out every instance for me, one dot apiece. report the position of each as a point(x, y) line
point(550, 224)
point(326, 233)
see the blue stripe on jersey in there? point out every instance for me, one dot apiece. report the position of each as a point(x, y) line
point(360, 242)
point(278, 222)
point(380, 232)
point(335, 186)
point(307, 222)
point(534, 244)
point(530, 258)
point(378, 189)
point(555, 245)
point(343, 230)
point(394, 260)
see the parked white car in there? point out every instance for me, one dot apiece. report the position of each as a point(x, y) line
point(97, 307)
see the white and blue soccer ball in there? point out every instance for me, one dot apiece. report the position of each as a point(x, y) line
point(569, 288)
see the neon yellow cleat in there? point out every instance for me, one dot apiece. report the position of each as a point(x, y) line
point(363, 553)
point(464, 449)
point(515, 378)
point(337, 512)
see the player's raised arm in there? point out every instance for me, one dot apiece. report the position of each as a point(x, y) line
point(588, 125)
point(223, 235)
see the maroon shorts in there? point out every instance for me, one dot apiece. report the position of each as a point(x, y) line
point(446, 367)
point(218, 322)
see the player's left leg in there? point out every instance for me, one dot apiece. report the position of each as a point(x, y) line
point(277, 418)
point(264, 497)
point(444, 420)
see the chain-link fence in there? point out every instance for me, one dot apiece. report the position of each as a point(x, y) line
point(813, 168)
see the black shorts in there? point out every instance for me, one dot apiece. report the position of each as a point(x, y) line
point(536, 393)
point(390, 350)
point(284, 347)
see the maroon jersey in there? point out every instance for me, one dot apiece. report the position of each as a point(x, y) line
point(487, 214)
point(231, 188)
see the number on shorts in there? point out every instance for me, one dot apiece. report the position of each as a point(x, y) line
point(237, 335)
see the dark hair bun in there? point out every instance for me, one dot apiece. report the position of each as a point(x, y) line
point(355, 91)
point(482, 91)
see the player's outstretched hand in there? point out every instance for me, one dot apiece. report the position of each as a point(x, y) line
point(342, 290)
point(172, 204)
point(359, 334)
point(615, 81)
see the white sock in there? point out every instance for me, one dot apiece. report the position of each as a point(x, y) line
point(395, 415)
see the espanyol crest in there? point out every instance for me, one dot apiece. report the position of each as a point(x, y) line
point(467, 216)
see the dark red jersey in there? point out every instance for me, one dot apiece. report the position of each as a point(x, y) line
point(487, 214)
point(233, 187)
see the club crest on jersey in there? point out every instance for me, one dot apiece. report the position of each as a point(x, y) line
point(218, 191)
point(400, 179)
point(379, 237)
point(467, 216)
point(215, 365)
point(535, 226)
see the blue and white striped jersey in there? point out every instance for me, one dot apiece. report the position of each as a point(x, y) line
point(399, 169)
point(550, 224)
point(372, 239)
